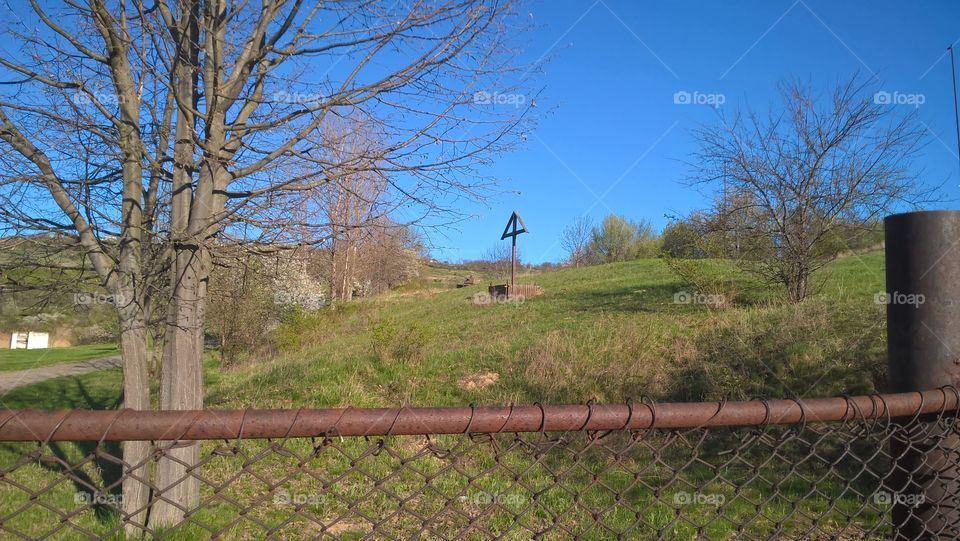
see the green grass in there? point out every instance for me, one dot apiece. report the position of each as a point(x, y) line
point(23, 359)
point(609, 332)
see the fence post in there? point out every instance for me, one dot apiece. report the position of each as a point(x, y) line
point(923, 340)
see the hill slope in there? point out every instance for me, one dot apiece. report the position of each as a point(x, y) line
point(608, 332)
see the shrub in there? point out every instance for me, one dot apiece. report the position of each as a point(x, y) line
point(703, 277)
point(392, 342)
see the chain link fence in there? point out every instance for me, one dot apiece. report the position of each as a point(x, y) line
point(876, 467)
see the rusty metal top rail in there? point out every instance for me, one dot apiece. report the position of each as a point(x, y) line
point(132, 425)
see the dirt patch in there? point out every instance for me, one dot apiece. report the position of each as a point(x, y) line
point(481, 380)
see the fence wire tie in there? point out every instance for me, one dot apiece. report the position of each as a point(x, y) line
point(56, 427)
point(335, 428)
point(543, 420)
point(473, 411)
point(637, 434)
point(113, 421)
point(325, 440)
point(395, 419)
point(591, 435)
point(436, 450)
point(280, 446)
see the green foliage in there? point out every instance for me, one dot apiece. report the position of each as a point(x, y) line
point(395, 342)
point(608, 332)
point(296, 325)
point(681, 239)
point(620, 239)
point(241, 306)
point(703, 280)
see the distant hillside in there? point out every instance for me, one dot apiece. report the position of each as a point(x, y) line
point(608, 332)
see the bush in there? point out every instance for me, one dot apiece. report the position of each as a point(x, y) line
point(297, 326)
point(392, 342)
point(702, 276)
point(241, 309)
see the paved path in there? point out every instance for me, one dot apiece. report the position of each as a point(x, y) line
point(12, 380)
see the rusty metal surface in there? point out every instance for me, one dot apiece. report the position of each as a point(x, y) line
point(818, 469)
point(923, 288)
point(923, 338)
point(128, 425)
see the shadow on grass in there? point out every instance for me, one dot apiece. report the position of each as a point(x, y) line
point(625, 299)
point(660, 298)
point(804, 351)
point(62, 458)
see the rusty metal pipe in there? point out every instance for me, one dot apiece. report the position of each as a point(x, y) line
point(131, 425)
point(923, 338)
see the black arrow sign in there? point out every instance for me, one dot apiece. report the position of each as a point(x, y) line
point(511, 229)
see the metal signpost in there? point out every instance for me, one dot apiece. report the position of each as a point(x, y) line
point(512, 231)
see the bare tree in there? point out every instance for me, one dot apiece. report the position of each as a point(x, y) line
point(792, 180)
point(575, 239)
point(499, 258)
point(357, 199)
point(147, 133)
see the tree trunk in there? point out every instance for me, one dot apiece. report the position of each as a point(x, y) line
point(181, 385)
point(797, 289)
point(136, 395)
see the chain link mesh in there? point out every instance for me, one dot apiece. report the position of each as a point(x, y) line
point(824, 480)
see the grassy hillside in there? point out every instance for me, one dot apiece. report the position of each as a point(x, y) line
point(608, 332)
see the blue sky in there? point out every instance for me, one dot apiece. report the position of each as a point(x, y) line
point(611, 138)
